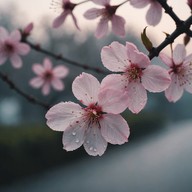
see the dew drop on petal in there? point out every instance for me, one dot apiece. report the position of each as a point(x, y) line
point(95, 149)
point(74, 133)
point(77, 140)
point(91, 148)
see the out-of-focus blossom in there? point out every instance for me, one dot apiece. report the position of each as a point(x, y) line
point(67, 9)
point(48, 76)
point(107, 14)
point(180, 71)
point(154, 13)
point(11, 47)
point(138, 75)
point(93, 126)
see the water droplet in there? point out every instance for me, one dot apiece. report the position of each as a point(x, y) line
point(74, 133)
point(91, 148)
point(95, 149)
point(77, 140)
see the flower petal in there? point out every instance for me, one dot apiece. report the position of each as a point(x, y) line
point(101, 2)
point(47, 64)
point(23, 48)
point(16, 61)
point(114, 129)
point(60, 71)
point(166, 59)
point(58, 21)
point(3, 58)
point(137, 97)
point(118, 25)
point(15, 35)
point(94, 143)
point(114, 57)
point(3, 33)
point(36, 82)
point(102, 28)
point(57, 84)
point(85, 87)
point(155, 79)
point(93, 13)
point(179, 54)
point(73, 136)
point(61, 115)
point(139, 3)
point(38, 69)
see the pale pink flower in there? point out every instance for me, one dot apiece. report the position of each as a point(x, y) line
point(138, 75)
point(154, 13)
point(93, 126)
point(180, 71)
point(67, 9)
point(107, 14)
point(48, 76)
point(11, 47)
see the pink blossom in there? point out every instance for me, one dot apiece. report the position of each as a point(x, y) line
point(107, 14)
point(48, 76)
point(154, 13)
point(180, 71)
point(67, 9)
point(11, 47)
point(94, 125)
point(138, 75)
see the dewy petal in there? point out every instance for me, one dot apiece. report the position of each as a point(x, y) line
point(175, 91)
point(16, 61)
point(114, 129)
point(15, 35)
point(118, 25)
point(23, 48)
point(114, 57)
point(57, 84)
point(166, 59)
point(94, 143)
point(60, 71)
point(101, 2)
point(38, 69)
point(102, 28)
point(112, 101)
point(85, 87)
point(137, 97)
point(61, 115)
point(179, 54)
point(93, 13)
point(154, 13)
point(47, 64)
point(58, 21)
point(139, 3)
point(155, 78)
point(36, 82)
point(74, 134)
point(46, 88)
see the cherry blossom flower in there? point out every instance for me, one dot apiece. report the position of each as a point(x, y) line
point(107, 14)
point(154, 13)
point(67, 9)
point(93, 126)
point(48, 76)
point(180, 71)
point(138, 75)
point(11, 47)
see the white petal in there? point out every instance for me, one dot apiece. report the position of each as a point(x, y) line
point(94, 143)
point(166, 59)
point(114, 129)
point(179, 54)
point(61, 115)
point(86, 88)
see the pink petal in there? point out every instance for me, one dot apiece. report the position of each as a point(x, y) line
point(187, 59)
point(179, 54)
point(112, 101)
point(73, 136)
point(114, 57)
point(47, 64)
point(101, 2)
point(15, 35)
point(3, 33)
point(61, 115)
point(75, 21)
point(57, 84)
point(60, 71)
point(23, 48)
point(38, 69)
point(85, 87)
point(137, 97)
point(175, 91)
point(166, 59)
point(58, 21)
point(3, 59)
point(155, 78)
point(139, 3)
point(114, 129)
point(94, 143)
point(93, 13)
point(102, 28)
point(16, 61)
point(36, 82)
point(154, 13)
point(46, 88)
point(118, 25)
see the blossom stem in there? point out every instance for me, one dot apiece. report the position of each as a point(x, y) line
point(123, 3)
point(83, 2)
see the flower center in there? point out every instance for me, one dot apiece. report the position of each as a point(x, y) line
point(68, 6)
point(8, 48)
point(134, 73)
point(109, 11)
point(48, 75)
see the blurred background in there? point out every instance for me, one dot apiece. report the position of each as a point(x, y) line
point(158, 155)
